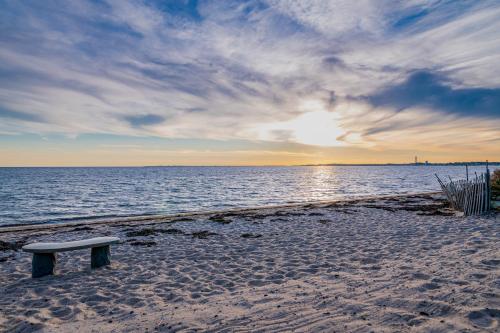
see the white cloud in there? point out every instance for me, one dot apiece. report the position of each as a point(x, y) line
point(335, 18)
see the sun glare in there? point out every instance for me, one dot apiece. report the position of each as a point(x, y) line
point(318, 128)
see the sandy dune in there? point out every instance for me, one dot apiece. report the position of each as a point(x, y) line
point(382, 265)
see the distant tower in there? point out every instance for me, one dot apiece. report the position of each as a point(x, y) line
point(416, 160)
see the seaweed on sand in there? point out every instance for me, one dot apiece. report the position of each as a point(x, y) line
point(151, 231)
point(171, 231)
point(315, 214)
point(436, 207)
point(142, 232)
point(288, 213)
point(436, 212)
point(143, 243)
point(182, 219)
point(249, 235)
point(11, 246)
point(81, 229)
point(220, 219)
point(202, 234)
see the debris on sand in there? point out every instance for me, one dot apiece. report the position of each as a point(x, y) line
point(81, 229)
point(249, 235)
point(202, 234)
point(11, 246)
point(436, 207)
point(315, 214)
point(437, 212)
point(182, 219)
point(140, 233)
point(171, 231)
point(143, 243)
point(151, 231)
point(220, 219)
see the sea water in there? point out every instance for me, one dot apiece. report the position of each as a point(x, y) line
point(54, 195)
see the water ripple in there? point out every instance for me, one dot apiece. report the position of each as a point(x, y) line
point(44, 195)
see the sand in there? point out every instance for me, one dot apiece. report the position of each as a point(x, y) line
point(381, 265)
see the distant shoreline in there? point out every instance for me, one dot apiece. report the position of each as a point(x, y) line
point(411, 164)
point(264, 166)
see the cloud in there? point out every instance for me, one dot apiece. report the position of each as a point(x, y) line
point(144, 120)
point(334, 18)
point(433, 91)
point(233, 70)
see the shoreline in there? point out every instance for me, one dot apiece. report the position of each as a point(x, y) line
point(163, 217)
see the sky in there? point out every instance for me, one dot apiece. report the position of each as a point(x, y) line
point(267, 82)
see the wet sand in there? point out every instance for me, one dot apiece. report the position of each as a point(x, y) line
point(377, 265)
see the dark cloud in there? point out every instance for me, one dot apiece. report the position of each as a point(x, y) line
point(434, 91)
point(396, 125)
point(332, 62)
point(195, 110)
point(144, 120)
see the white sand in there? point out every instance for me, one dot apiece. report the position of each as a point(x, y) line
point(343, 267)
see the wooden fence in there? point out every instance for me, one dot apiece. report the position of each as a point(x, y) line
point(473, 197)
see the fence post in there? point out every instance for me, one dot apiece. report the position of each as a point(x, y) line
point(488, 189)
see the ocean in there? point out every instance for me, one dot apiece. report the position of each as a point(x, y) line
point(55, 195)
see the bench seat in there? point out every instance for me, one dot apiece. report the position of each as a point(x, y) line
point(70, 246)
point(44, 254)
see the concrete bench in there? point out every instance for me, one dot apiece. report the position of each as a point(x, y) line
point(44, 254)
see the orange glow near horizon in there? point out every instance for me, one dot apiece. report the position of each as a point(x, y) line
point(145, 157)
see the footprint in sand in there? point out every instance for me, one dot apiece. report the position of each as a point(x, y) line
point(366, 261)
point(478, 275)
point(429, 286)
point(485, 318)
point(420, 276)
point(491, 262)
point(469, 251)
point(26, 326)
point(434, 309)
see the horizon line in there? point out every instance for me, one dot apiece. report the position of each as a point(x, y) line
point(459, 163)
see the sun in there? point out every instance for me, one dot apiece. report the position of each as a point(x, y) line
point(317, 128)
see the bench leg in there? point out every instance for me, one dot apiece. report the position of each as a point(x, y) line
point(100, 256)
point(43, 264)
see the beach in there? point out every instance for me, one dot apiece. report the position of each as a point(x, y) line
point(390, 264)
